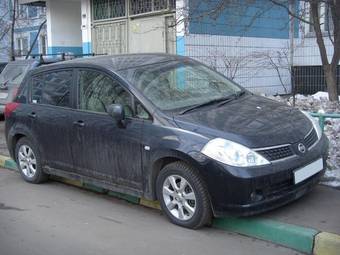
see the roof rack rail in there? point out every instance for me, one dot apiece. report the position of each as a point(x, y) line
point(57, 57)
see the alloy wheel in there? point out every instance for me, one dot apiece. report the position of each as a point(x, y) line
point(27, 161)
point(179, 197)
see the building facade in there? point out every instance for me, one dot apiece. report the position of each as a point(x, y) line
point(4, 30)
point(29, 20)
point(27, 24)
point(253, 42)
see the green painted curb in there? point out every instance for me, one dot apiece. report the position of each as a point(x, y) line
point(292, 236)
point(129, 198)
point(8, 163)
point(94, 188)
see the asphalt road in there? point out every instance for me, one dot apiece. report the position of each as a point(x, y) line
point(3, 145)
point(55, 218)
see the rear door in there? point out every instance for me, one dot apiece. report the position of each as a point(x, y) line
point(105, 150)
point(49, 114)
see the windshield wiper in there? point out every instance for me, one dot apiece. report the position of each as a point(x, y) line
point(222, 101)
point(213, 101)
point(232, 97)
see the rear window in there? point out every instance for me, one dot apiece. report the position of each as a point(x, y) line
point(13, 73)
point(52, 88)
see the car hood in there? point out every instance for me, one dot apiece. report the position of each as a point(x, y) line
point(250, 120)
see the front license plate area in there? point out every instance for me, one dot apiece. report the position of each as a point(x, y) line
point(307, 171)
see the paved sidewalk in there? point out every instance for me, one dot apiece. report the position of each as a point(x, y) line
point(319, 210)
point(3, 145)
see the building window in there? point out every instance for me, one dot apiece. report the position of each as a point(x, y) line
point(145, 6)
point(32, 11)
point(329, 25)
point(108, 9)
point(22, 11)
point(325, 17)
point(22, 46)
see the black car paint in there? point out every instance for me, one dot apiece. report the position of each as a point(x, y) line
point(132, 167)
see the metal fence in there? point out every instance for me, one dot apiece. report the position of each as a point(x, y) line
point(311, 79)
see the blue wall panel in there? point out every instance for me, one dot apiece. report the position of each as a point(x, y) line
point(180, 45)
point(87, 48)
point(259, 19)
point(65, 49)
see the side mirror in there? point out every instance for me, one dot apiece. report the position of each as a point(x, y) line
point(116, 111)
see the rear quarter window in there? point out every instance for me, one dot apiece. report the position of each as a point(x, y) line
point(52, 88)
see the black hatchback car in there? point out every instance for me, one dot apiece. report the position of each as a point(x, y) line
point(164, 127)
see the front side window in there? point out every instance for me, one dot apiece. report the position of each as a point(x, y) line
point(176, 85)
point(52, 88)
point(97, 91)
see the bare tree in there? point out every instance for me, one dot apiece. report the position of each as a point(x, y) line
point(13, 18)
point(236, 65)
point(332, 7)
point(279, 61)
point(4, 27)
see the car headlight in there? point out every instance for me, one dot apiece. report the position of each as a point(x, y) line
point(232, 153)
point(315, 123)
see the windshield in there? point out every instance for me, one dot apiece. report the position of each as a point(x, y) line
point(13, 73)
point(176, 85)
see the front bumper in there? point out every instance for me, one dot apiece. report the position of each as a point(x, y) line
point(244, 192)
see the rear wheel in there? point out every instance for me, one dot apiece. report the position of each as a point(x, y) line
point(183, 196)
point(28, 160)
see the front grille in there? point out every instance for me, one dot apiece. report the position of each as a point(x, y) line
point(276, 153)
point(311, 138)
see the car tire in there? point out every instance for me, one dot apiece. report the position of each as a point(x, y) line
point(29, 162)
point(183, 196)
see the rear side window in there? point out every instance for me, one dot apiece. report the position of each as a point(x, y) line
point(52, 88)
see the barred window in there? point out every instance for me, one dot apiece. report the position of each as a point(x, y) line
point(108, 9)
point(145, 6)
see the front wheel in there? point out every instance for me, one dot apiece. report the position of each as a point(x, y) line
point(183, 196)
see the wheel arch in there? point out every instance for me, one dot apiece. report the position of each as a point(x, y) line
point(15, 134)
point(158, 163)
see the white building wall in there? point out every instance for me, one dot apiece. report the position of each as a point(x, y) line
point(64, 26)
point(86, 26)
point(306, 52)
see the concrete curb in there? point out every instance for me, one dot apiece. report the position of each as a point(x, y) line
point(306, 240)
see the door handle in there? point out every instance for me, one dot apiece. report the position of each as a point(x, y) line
point(32, 115)
point(79, 123)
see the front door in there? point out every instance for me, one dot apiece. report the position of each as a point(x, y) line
point(104, 149)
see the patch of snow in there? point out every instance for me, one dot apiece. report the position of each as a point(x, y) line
point(331, 178)
point(321, 95)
